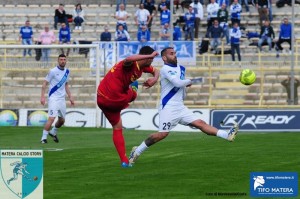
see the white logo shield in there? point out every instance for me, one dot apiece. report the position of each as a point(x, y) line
point(21, 173)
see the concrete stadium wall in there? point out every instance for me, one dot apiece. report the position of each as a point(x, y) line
point(26, 2)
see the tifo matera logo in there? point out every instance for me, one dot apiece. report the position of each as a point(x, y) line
point(274, 184)
point(258, 181)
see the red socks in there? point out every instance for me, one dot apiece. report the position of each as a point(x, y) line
point(119, 143)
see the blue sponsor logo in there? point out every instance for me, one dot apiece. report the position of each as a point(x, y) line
point(273, 184)
point(257, 120)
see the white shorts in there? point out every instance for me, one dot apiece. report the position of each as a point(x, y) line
point(170, 116)
point(57, 108)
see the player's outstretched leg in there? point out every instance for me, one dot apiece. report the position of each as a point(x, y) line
point(152, 139)
point(210, 130)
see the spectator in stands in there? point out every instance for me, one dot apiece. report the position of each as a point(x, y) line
point(106, 35)
point(119, 2)
point(165, 33)
point(46, 37)
point(144, 1)
point(142, 17)
point(266, 35)
point(189, 18)
point(287, 85)
point(176, 3)
point(198, 10)
point(221, 2)
point(246, 4)
point(177, 31)
point(263, 10)
point(162, 4)
point(223, 21)
point(121, 16)
point(60, 16)
point(150, 6)
point(121, 34)
point(143, 35)
point(235, 35)
point(215, 32)
point(165, 16)
point(26, 35)
point(285, 35)
point(78, 16)
point(270, 11)
point(212, 13)
point(235, 12)
point(64, 37)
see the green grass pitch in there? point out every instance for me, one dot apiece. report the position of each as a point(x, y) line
point(184, 165)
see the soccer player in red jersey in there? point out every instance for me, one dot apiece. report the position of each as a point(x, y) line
point(115, 92)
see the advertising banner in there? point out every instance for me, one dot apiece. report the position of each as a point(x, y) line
point(74, 117)
point(9, 117)
point(107, 57)
point(257, 120)
point(148, 119)
point(186, 50)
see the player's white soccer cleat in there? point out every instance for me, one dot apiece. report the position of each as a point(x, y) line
point(133, 155)
point(232, 132)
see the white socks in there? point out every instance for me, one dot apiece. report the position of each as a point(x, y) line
point(45, 133)
point(54, 130)
point(141, 148)
point(222, 134)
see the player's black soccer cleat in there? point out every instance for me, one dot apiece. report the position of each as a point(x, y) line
point(44, 141)
point(55, 138)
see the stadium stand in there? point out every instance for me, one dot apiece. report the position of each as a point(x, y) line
point(220, 88)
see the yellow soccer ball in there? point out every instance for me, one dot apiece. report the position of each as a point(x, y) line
point(247, 77)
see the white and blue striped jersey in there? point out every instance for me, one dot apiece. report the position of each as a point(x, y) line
point(57, 79)
point(173, 84)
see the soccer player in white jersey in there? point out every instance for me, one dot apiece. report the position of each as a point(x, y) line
point(58, 88)
point(172, 110)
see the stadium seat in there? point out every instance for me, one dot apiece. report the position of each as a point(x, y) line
point(90, 103)
point(227, 101)
point(96, 6)
point(9, 6)
point(229, 85)
point(33, 6)
point(46, 6)
point(15, 104)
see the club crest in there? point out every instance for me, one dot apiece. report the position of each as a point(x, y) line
point(21, 173)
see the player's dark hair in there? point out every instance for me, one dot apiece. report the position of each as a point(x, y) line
point(62, 55)
point(162, 53)
point(146, 50)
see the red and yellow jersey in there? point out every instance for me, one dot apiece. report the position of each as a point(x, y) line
point(116, 82)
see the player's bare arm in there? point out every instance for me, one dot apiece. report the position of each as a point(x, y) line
point(43, 99)
point(152, 80)
point(69, 94)
point(138, 57)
